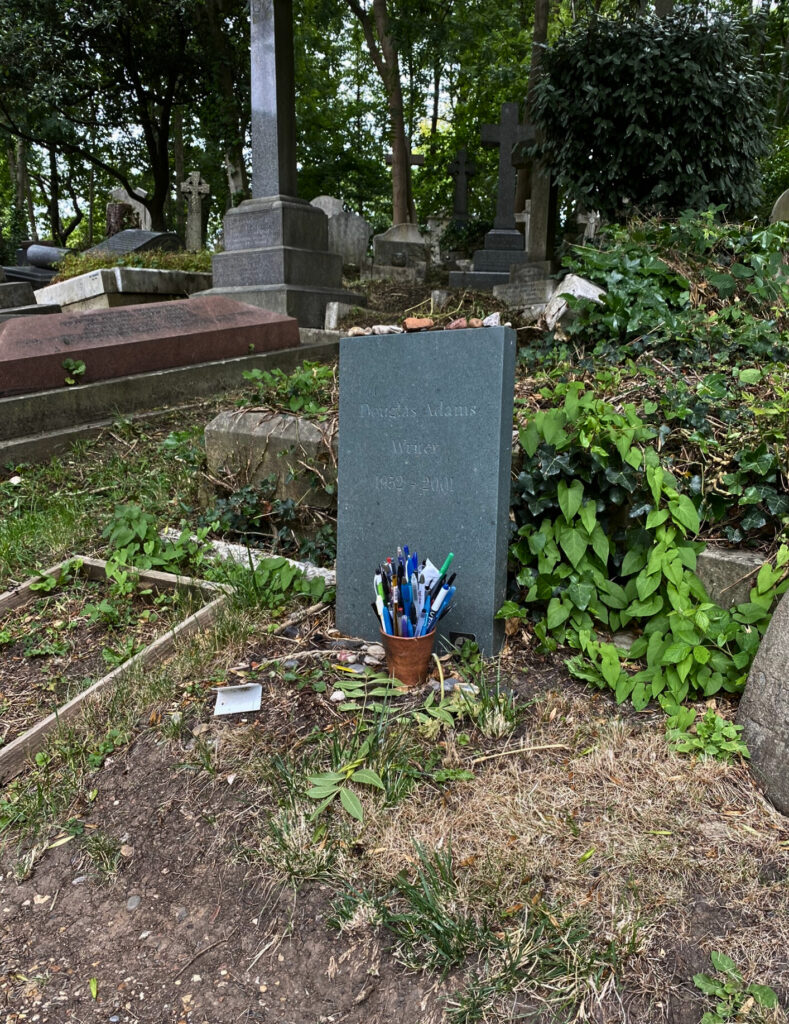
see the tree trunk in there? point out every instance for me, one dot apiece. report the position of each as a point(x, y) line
point(437, 69)
point(383, 51)
point(179, 170)
point(780, 106)
point(539, 39)
point(91, 205)
point(23, 198)
point(224, 81)
point(53, 204)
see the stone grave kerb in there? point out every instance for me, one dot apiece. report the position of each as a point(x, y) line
point(276, 244)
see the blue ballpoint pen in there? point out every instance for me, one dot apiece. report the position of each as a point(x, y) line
point(425, 615)
point(440, 600)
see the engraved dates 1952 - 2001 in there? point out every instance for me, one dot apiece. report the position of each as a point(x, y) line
point(425, 485)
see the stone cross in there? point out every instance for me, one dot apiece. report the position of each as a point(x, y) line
point(194, 188)
point(461, 170)
point(273, 85)
point(505, 135)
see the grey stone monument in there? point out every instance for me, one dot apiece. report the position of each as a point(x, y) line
point(764, 709)
point(780, 210)
point(504, 244)
point(402, 252)
point(195, 190)
point(140, 211)
point(461, 169)
point(425, 446)
point(349, 234)
point(276, 246)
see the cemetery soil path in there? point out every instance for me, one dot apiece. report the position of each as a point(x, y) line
point(184, 934)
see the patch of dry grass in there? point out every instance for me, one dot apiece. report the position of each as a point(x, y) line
point(658, 853)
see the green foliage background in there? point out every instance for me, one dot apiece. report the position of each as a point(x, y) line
point(654, 114)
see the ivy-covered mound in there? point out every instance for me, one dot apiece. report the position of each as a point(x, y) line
point(682, 437)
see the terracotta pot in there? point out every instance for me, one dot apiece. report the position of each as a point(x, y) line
point(408, 658)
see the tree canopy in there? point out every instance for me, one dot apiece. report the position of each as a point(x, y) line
point(635, 110)
point(662, 114)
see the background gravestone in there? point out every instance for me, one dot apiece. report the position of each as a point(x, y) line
point(329, 204)
point(764, 709)
point(504, 244)
point(780, 210)
point(140, 213)
point(137, 240)
point(425, 445)
point(276, 251)
point(349, 234)
point(195, 190)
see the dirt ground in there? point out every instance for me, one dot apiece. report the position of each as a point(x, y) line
point(56, 649)
point(186, 932)
point(183, 934)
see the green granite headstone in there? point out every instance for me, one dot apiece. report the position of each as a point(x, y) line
point(425, 447)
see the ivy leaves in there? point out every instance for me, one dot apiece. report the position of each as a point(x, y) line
point(596, 558)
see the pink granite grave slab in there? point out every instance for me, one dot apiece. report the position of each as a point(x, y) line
point(135, 339)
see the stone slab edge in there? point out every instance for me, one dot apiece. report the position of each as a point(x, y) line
point(85, 410)
point(123, 280)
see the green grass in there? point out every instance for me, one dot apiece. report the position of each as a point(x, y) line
point(60, 508)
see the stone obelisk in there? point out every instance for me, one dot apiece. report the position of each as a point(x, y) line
point(276, 245)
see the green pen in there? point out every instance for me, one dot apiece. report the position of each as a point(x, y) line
point(447, 563)
point(442, 575)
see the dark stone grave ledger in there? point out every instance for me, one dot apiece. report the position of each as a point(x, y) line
point(135, 339)
point(425, 448)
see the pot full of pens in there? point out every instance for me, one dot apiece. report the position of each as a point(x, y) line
point(410, 599)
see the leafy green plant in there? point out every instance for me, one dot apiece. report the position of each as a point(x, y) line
point(734, 997)
point(379, 752)
point(713, 736)
point(134, 541)
point(692, 289)
point(275, 581)
point(100, 751)
point(47, 583)
point(328, 785)
point(606, 542)
point(114, 656)
point(665, 79)
point(38, 647)
point(75, 368)
point(465, 237)
point(310, 390)
point(186, 446)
